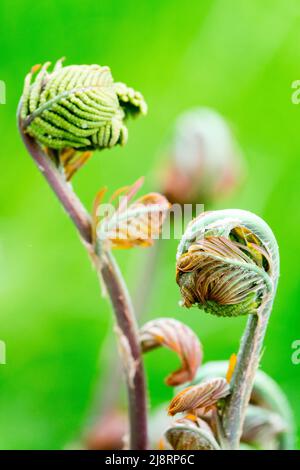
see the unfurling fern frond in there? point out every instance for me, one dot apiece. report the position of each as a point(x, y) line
point(130, 224)
point(178, 337)
point(224, 266)
point(79, 107)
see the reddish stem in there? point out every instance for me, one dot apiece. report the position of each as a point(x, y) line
point(116, 288)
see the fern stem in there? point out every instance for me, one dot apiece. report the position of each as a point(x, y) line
point(115, 286)
point(222, 223)
point(135, 377)
point(244, 375)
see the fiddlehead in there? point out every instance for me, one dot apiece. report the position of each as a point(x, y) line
point(228, 265)
point(204, 161)
point(188, 434)
point(178, 337)
point(78, 106)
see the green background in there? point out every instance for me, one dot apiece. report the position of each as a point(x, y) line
point(236, 56)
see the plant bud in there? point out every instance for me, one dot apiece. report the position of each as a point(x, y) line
point(205, 163)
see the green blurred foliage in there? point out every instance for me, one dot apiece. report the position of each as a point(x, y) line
point(238, 57)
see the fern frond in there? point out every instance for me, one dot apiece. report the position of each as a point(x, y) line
point(78, 106)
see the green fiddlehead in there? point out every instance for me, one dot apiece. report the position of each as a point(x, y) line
point(78, 106)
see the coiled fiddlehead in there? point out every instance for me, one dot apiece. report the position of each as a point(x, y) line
point(228, 265)
point(78, 106)
point(190, 435)
point(224, 265)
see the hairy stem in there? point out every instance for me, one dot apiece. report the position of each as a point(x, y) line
point(115, 286)
point(62, 189)
point(244, 375)
point(132, 362)
point(108, 400)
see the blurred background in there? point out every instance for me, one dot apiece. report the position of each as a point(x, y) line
point(239, 58)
